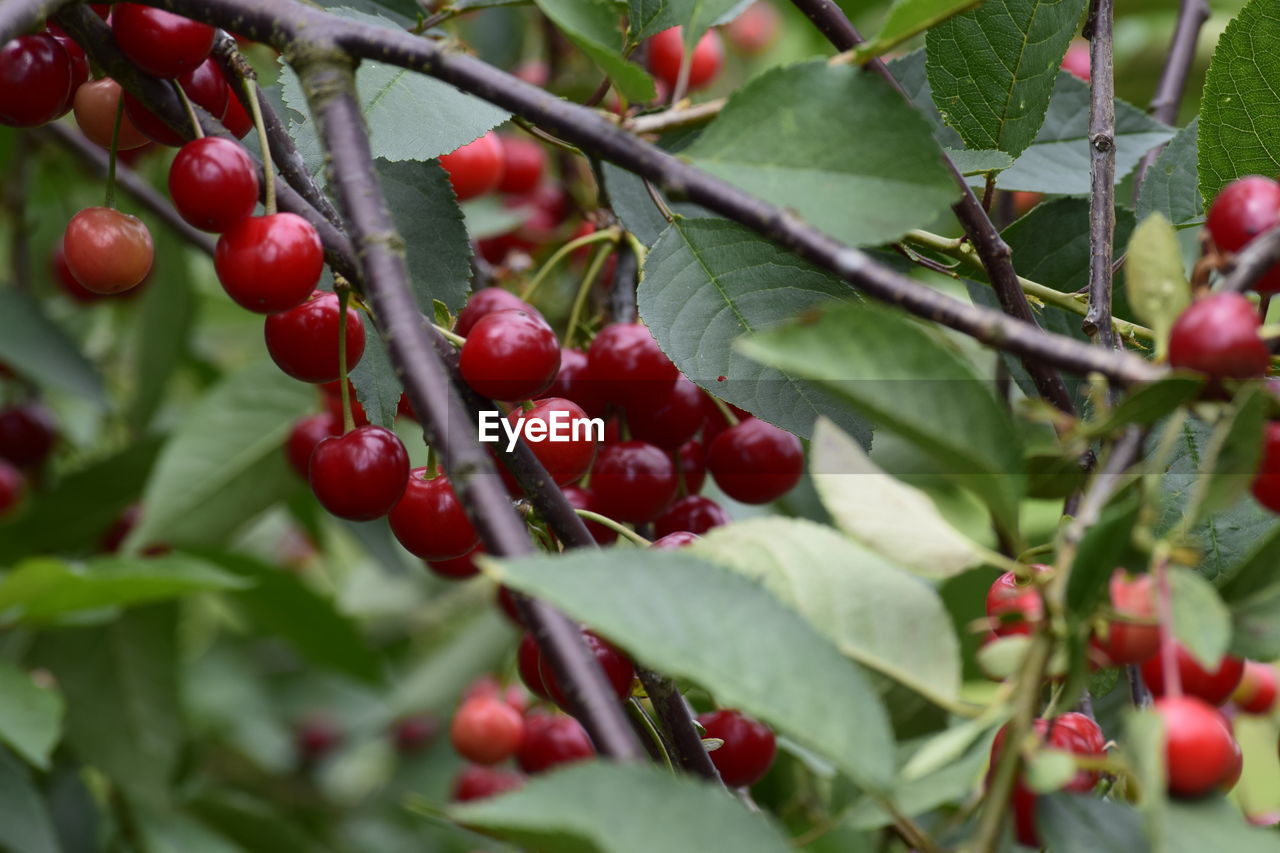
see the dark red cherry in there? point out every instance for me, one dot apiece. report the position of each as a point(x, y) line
point(1266, 485)
point(567, 443)
point(237, 120)
point(480, 783)
point(574, 382)
point(475, 168)
point(305, 435)
point(529, 666)
point(269, 263)
point(507, 604)
point(205, 86)
point(360, 475)
point(303, 341)
point(160, 43)
point(630, 367)
point(672, 422)
point(213, 184)
point(580, 498)
point(1213, 686)
point(694, 514)
point(486, 301)
point(675, 541)
point(551, 740)
point(332, 399)
point(510, 355)
point(748, 748)
point(79, 66)
point(633, 481)
point(1242, 210)
point(523, 163)
point(12, 487)
point(429, 520)
point(1218, 336)
point(35, 80)
point(458, 568)
point(755, 462)
point(27, 435)
point(618, 670)
point(691, 464)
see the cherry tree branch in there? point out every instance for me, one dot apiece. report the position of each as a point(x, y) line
point(1173, 78)
point(1102, 171)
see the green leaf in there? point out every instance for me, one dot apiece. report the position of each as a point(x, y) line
point(695, 620)
point(1157, 287)
point(890, 517)
point(377, 386)
point(1213, 823)
point(30, 716)
point(1255, 571)
point(1171, 187)
point(1150, 403)
point(44, 589)
point(1230, 460)
point(1240, 111)
point(635, 207)
point(905, 379)
point(872, 610)
point(224, 463)
point(1049, 770)
point(992, 69)
point(773, 140)
point(436, 243)
point(280, 604)
point(38, 350)
point(1106, 545)
point(121, 686)
point(25, 825)
point(167, 831)
point(613, 808)
point(1201, 622)
point(979, 162)
point(487, 216)
point(648, 17)
point(707, 283)
point(1075, 823)
point(593, 26)
point(1255, 624)
point(165, 317)
point(950, 779)
point(908, 18)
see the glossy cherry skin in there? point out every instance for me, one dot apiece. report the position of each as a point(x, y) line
point(618, 670)
point(108, 251)
point(481, 783)
point(458, 568)
point(213, 184)
point(12, 487)
point(27, 435)
point(691, 464)
point(79, 66)
point(580, 498)
point(303, 341)
point(95, 111)
point(551, 740)
point(332, 399)
point(1256, 693)
point(574, 382)
point(565, 461)
point(1214, 687)
point(671, 422)
point(630, 367)
point(748, 749)
point(1242, 210)
point(666, 50)
point(1200, 751)
point(237, 120)
point(35, 78)
point(205, 86)
point(523, 163)
point(360, 475)
point(486, 730)
point(1266, 485)
point(1013, 605)
point(306, 434)
point(510, 356)
point(475, 168)
point(270, 263)
point(633, 481)
point(1136, 636)
point(753, 31)
point(755, 462)
point(694, 514)
point(429, 520)
point(160, 43)
point(1218, 336)
point(486, 301)
point(1076, 62)
point(675, 541)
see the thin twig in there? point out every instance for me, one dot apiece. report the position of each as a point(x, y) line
point(1173, 78)
point(1102, 172)
point(676, 119)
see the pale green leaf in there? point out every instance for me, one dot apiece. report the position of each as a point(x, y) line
point(30, 715)
point(1156, 285)
point(37, 349)
point(907, 18)
point(595, 27)
point(1201, 622)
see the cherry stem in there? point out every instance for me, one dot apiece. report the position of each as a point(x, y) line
point(616, 527)
point(449, 335)
point(114, 152)
point(579, 302)
point(725, 411)
point(264, 142)
point(432, 462)
point(1164, 607)
point(191, 110)
point(344, 294)
point(563, 252)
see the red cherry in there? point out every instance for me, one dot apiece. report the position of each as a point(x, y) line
point(1076, 62)
point(580, 498)
point(486, 730)
point(205, 86)
point(1135, 636)
point(12, 487)
point(303, 341)
point(633, 481)
point(529, 667)
point(1214, 687)
point(269, 263)
point(523, 162)
point(1200, 752)
point(95, 105)
point(691, 463)
point(1256, 693)
point(79, 66)
point(108, 251)
point(1218, 335)
point(27, 435)
point(618, 670)
point(716, 422)
point(1242, 210)
point(748, 748)
point(160, 43)
point(552, 740)
point(213, 183)
point(672, 422)
point(1080, 735)
point(755, 29)
point(332, 400)
point(630, 367)
point(507, 604)
point(755, 462)
point(510, 355)
point(237, 119)
point(574, 382)
point(666, 50)
point(475, 168)
point(429, 520)
point(305, 435)
point(485, 302)
point(314, 738)
point(458, 568)
point(66, 281)
point(1013, 605)
point(1266, 485)
point(413, 734)
point(675, 541)
point(360, 475)
point(693, 514)
point(35, 80)
point(481, 783)
point(566, 461)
